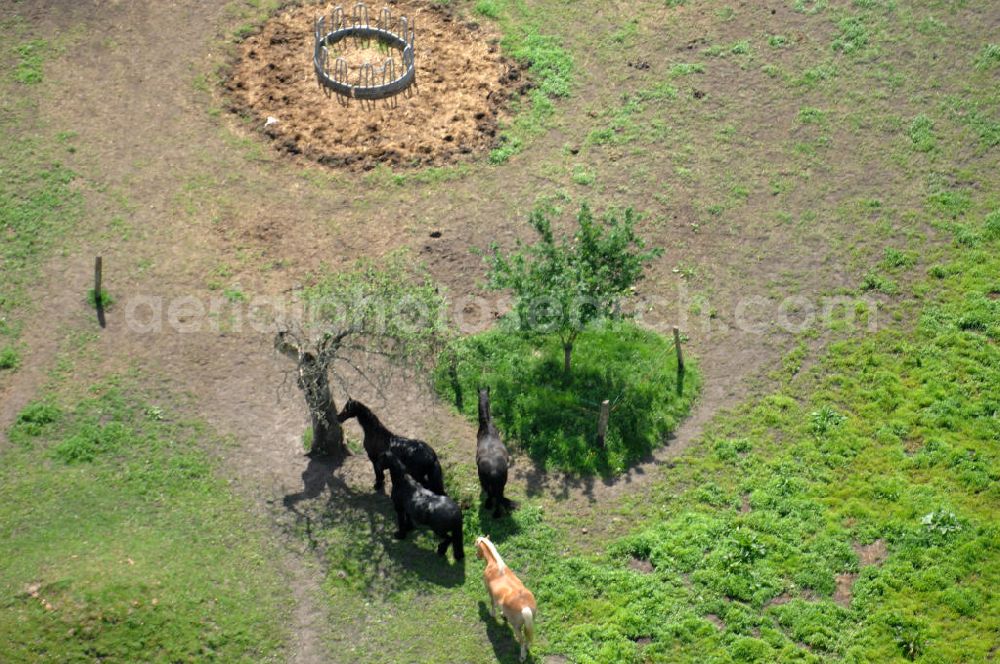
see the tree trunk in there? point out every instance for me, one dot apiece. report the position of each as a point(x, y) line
point(567, 354)
point(328, 435)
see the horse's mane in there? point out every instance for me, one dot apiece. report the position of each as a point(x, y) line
point(364, 412)
point(501, 565)
point(486, 424)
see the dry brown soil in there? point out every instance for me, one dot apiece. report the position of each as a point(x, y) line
point(462, 85)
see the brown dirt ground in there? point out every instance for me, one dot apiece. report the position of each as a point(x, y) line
point(462, 86)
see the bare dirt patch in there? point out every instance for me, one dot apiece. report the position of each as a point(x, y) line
point(845, 584)
point(716, 620)
point(462, 85)
point(871, 554)
point(640, 565)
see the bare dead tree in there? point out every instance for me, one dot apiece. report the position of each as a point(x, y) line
point(313, 361)
point(389, 310)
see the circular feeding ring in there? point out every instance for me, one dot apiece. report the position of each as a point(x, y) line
point(367, 81)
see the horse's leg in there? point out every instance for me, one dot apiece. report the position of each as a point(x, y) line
point(443, 546)
point(401, 523)
point(497, 502)
point(379, 476)
point(493, 604)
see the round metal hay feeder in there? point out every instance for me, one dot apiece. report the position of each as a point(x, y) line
point(367, 81)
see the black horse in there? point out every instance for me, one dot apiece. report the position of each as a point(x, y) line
point(415, 505)
point(417, 457)
point(492, 458)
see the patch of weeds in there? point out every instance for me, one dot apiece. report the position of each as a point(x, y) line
point(234, 295)
point(583, 176)
point(978, 117)
point(950, 203)
point(810, 6)
point(815, 116)
point(930, 26)
point(853, 35)
point(488, 8)
point(813, 76)
point(30, 58)
point(726, 13)
point(825, 420)
point(908, 635)
point(874, 281)
point(244, 31)
point(686, 69)
point(626, 33)
point(741, 47)
point(103, 299)
point(922, 134)
point(777, 41)
point(896, 259)
point(10, 358)
point(989, 57)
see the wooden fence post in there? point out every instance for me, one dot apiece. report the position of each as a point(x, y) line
point(97, 280)
point(602, 423)
point(677, 347)
point(98, 293)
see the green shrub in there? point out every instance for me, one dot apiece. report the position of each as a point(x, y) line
point(553, 416)
point(9, 358)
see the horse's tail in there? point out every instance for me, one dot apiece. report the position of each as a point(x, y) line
point(528, 626)
point(458, 542)
point(435, 478)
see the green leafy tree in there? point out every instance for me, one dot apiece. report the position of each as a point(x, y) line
point(367, 322)
point(563, 284)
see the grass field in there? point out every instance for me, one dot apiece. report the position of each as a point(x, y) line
point(121, 543)
point(822, 176)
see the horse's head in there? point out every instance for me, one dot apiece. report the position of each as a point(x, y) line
point(392, 463)
point(480, 546)
point(351, 409)
point(484, 404)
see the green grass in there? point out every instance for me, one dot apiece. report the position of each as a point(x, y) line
point(922, 134)
point(105, 299)
point(38, 203)
point(554, 418)
point(120, 543)
point(10, 359)
point(989, 57)
point(550, 65)
point(889, 438)
point(30, 59)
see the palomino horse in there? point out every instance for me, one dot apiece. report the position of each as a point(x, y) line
point(492, 458)
point(516, 602)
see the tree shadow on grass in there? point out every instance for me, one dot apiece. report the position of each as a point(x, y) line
point(353, 529)
point(505, 646)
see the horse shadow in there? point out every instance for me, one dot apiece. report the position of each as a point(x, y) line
point(498, 529)
point(367, 520)
point(505, 646)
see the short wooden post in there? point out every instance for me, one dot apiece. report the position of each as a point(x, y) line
point(97, 280)
point(677, 348)
point(98, 293)
point(602, 423)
